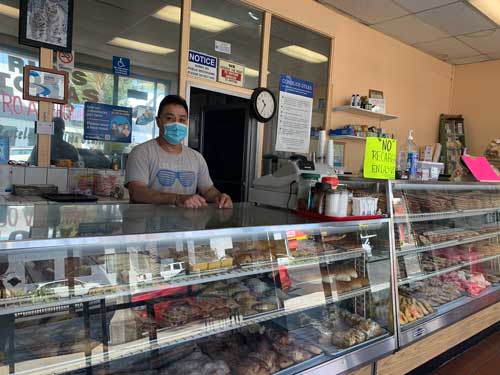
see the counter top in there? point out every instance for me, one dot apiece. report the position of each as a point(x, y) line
point(19, 223)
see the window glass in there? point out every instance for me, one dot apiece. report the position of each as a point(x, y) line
point(17, 116)
point(131, 30)
point(302, 54)
point(230, 31)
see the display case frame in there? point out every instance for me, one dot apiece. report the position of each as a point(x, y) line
point(95, 308)
point(466, 305)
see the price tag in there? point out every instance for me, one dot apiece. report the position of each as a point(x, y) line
point(179, 247)
point(412, 265)
point(278, 236)
point(379, 274)
point(309, 300)
point(220, 245)
point(191, 253)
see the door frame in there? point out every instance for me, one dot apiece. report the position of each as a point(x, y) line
point(251, 160)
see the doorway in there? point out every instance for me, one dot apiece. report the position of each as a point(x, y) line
point(221, 129)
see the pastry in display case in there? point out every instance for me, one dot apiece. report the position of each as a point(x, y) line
point(284, 295)
point(447, 242)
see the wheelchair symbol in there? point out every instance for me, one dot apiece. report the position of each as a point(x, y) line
point(120, 63)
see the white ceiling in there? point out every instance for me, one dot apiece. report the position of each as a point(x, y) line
point(451, 30)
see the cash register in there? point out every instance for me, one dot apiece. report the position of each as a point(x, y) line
point(279, 189)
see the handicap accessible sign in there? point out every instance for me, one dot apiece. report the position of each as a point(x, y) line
point(121, 66)
point(103, 122)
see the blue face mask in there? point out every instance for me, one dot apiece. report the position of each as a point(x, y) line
point(174, 132)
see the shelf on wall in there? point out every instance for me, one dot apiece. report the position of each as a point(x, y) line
point(364, 112)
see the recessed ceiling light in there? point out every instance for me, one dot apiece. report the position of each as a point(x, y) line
point(9, 11)
point(303, 54)
point(200, 21)
point(140, 46)
point(490, 8)
point(253, 16)
point(251, 72)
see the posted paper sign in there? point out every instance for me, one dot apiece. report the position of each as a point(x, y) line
point(202, 66)
point(380, 158)
point(294, 115)
point(481, 168)
point(231, 73)
point(103, 122)
point(121, 66)
point(65, 61)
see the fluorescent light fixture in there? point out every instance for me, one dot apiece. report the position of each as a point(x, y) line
point(9, 11)
point(253, 16)
point(251, 72)
point(200, 21)
point(304, 54)
point(490, 8)
point(139, 46)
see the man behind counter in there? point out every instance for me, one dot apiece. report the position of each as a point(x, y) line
point(164, 171)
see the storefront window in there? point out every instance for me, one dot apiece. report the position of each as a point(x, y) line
point(131, 31)
point(302, 54)
point(230, 31)
point(17, 116)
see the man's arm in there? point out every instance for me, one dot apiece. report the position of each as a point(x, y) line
point(141, 193)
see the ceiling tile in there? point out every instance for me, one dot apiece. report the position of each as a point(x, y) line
point(420, 5)
point(457, 19)
point(470, 60)
point(411, 30)
point(447, 49)
point(484, 41)
point(369, 11)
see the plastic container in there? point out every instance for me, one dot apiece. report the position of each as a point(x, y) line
point(407, 159)
point(304, 191)
point(332, 198)
point(429, 171)
point(319, 194)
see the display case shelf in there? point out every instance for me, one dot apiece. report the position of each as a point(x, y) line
point(447, 314)
point(445, 244)
point(26, 304)
point(169, 338)
point(446, 270)
point(398, 219)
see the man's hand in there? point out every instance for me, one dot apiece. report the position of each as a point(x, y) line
point(192, 201)
point(224, 201)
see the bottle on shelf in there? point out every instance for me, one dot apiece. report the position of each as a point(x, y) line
point(407, 159)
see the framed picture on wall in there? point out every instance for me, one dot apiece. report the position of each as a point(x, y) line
point(46, 23)
point(375, 94)
point(48, 85)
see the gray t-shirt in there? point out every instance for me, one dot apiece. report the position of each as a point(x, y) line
point(169, 173)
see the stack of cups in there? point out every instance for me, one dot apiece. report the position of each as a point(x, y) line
point(329, 153)
point(321, 145)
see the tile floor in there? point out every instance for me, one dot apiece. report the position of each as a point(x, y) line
point(481, 359)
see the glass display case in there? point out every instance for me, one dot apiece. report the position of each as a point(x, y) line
point(448, 253)
point(140, 289)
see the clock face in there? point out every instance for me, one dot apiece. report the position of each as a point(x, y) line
point(265, 104)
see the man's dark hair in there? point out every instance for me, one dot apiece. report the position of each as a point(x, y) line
point(172, 99)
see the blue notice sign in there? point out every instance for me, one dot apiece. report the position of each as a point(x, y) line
point(121, 66)
point(103, 122)
point(202, 66)
point(292, 85)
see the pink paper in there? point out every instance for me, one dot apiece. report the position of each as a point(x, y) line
point(480, 168)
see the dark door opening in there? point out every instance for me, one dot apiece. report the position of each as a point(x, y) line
point(221, 129)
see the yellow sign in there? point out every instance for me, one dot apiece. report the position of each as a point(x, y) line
point(380, 158)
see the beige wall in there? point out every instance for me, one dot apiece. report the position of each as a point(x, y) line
point(417, 87)
point(475, 93)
